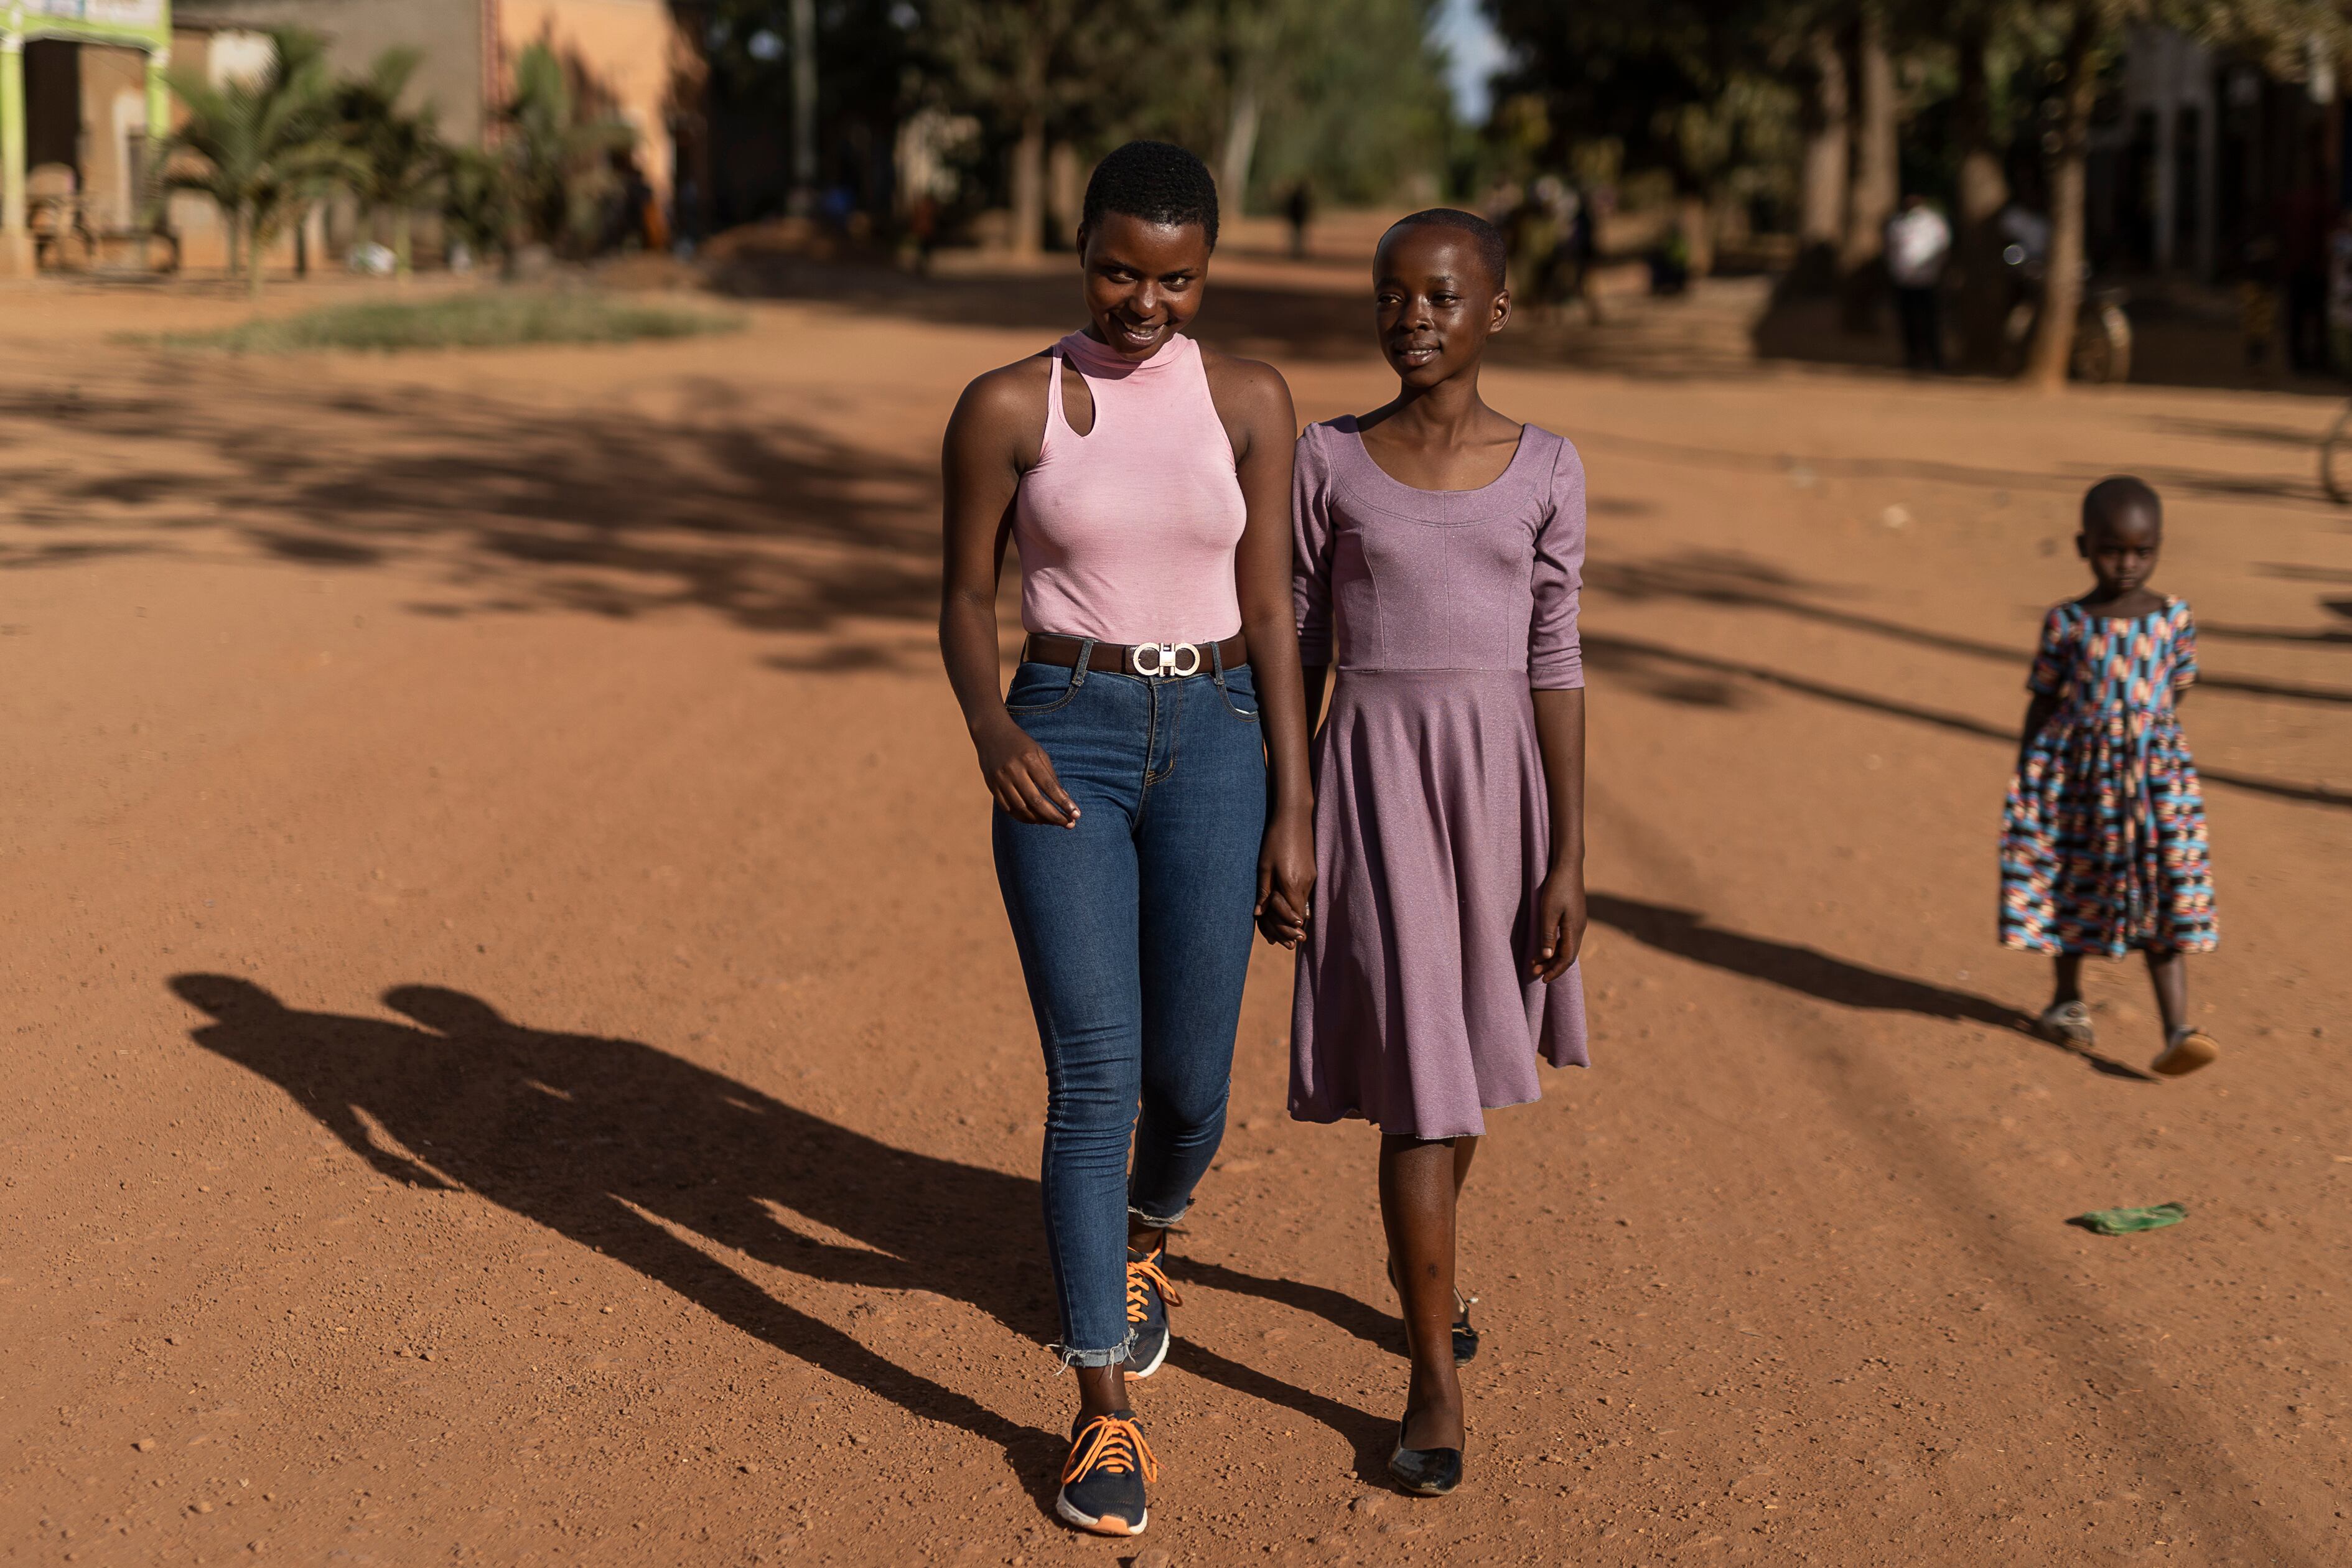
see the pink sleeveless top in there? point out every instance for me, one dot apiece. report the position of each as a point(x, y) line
point(1126, 534)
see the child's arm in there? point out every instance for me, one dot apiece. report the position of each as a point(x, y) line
point(2044, 680)
point(1559, 903)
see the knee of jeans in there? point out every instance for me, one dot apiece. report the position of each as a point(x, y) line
point(1199, 1114)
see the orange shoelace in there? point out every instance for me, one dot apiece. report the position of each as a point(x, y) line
point(1140, 1275)
point(1113, 1445)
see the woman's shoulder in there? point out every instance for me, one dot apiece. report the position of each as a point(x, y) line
point(1243, 384)
point(1009, 389)
point(1556, 451)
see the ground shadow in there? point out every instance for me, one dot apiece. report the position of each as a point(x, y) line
point(621, 1147)
point(1814, 973)
point(1659, 669)
point(770, 522)
point(1725, 581)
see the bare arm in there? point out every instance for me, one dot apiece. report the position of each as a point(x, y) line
point(1559, 903)
point(981, 464)
point(1254, 402)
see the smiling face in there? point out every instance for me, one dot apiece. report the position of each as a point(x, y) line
point(1437, 301)
point(2121, 545)
point(1143, 280)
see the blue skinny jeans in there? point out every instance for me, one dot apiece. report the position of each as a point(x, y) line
point(1134, 929)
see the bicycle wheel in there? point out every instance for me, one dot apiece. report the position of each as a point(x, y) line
point(2335, 459)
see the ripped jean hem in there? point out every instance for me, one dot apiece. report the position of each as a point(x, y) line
point(1123, 1350)
point(1154, 1221)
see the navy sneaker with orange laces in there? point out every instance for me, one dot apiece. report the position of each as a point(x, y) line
point(1102, 1483)
point(1149, 1297)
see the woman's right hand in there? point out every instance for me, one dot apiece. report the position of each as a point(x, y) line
point(1020, 776)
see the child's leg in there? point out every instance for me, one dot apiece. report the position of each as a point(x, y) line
point(1420, 1181)
point(2170, 977)
point(2070, 979)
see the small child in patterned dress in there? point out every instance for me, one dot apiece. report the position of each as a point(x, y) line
point(2103, 838)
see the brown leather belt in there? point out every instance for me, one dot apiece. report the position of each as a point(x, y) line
point(1163, 659)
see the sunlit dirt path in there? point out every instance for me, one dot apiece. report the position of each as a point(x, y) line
point(514, 1053)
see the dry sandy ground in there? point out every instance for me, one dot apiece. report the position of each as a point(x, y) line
point(514, 1053)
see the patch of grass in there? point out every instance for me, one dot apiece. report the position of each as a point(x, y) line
point(492, 318)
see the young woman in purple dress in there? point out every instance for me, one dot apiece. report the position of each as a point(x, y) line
point(1440, 549)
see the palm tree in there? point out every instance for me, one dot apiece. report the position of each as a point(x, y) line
point(559, 148)
point(400, 157)
point(476, 201)
point(269, 145)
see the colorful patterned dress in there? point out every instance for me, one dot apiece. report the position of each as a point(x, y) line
point(2103, 838)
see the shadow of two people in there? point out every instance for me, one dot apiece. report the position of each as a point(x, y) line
point(616, 1145)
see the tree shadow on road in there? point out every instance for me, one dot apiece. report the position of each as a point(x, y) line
point(655, 1161)
point(493, 504)
point(1811, 972)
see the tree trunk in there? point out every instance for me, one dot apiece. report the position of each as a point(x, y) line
point(404, 239)
point(1870, 198)
point(1821, 202)
point(1029, 186)
point(232, 221)
point(1240, 150)
point(1984, 191)
point(255, 252)
point(2062, 287)
point(1695, 217)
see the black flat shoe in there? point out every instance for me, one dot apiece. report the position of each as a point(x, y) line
point(1425, 1472)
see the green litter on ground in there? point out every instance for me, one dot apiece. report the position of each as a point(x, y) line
point(2123, 1222)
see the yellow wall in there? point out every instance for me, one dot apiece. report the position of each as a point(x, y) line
point(630, 47)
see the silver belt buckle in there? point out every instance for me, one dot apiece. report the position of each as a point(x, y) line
point(1164, 660)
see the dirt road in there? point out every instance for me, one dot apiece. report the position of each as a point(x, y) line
point(515, 1054)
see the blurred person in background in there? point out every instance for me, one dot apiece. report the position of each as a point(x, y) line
point(1298, 206)
point(1918, 242)
point(1148, 484)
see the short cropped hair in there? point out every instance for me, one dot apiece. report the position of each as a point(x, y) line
point(1492, 253)
point(2117, 495)
point(1158, 181)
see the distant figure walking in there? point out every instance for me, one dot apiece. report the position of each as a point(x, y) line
point(1299, 208)
point(2103, 837)
point(1918, 241)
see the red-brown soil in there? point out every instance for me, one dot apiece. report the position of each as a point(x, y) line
point(515, 1054)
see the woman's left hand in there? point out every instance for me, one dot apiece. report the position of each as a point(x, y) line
point(1559, 925)
point(1285, 878)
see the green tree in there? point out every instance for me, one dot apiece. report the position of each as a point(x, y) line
point(2289, 33)
point(478, 202)
point(560, 146)
point(269, 146)
point(1037, 69)
point(400, 159)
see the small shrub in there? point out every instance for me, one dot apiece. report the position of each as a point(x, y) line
point(496, 318)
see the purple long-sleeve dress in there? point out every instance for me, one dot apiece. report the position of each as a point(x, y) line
point(1443, 611)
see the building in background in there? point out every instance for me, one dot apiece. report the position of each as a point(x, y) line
point(82, 100)
point(83, 94)
point(2206, 165)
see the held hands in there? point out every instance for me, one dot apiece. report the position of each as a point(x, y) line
point(1285, 878)
point(1020, 776)
point(1558, 924)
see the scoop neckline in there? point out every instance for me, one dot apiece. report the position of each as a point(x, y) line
point(1517, 452)
point(2090, 615)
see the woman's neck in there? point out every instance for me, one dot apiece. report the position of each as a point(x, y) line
point(1445, 415)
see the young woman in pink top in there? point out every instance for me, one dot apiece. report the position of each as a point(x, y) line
point(1148, 762)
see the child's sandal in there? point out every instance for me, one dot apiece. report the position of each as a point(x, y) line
point(2067, 1024)
point(2186, 1049)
